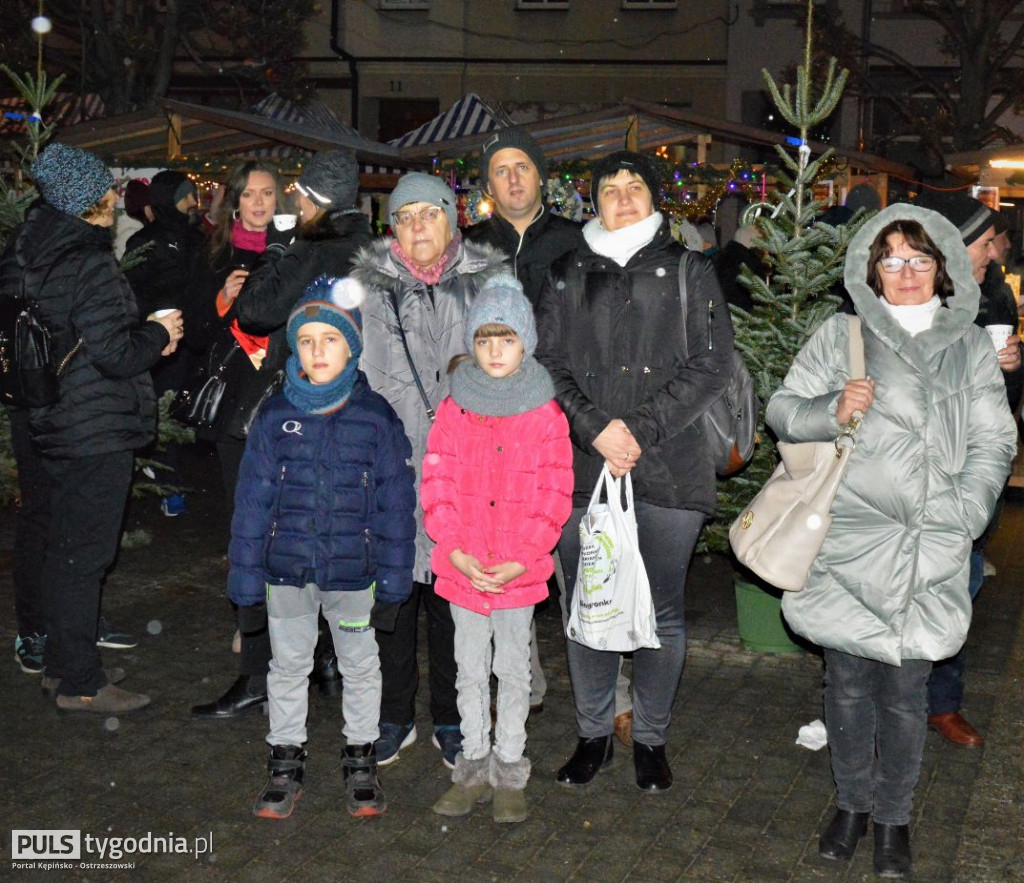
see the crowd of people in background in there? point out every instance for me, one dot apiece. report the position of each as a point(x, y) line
point(412, 426)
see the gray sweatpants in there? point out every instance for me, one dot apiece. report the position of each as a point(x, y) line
point(293, 615)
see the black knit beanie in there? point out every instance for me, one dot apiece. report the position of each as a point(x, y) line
point(611, 165)
point(967, 214)
point(517, 139)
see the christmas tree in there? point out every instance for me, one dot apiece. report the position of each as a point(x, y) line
point(803, 259)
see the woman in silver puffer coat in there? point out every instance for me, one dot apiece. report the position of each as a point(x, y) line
point(888, 592)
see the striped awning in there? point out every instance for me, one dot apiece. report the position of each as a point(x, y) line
point(468, 116)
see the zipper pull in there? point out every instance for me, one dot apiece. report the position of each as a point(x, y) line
point(711, 319)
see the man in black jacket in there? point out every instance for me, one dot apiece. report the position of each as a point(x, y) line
point(161, 281)
point(978, 226)
point(513, 170)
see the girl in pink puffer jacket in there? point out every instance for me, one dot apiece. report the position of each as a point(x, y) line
point(496, 490)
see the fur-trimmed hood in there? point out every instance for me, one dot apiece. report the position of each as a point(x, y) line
point(376, 265)
point(950, 323)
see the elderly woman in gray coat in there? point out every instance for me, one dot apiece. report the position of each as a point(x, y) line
point(419, 288)
point(888, 592)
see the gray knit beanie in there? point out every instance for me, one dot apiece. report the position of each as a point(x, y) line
point(330, 179)
point(69, 179)
point(501, 302)
point(517, 139)
point(421, 187)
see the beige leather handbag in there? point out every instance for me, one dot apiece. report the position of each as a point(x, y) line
point(780, 533)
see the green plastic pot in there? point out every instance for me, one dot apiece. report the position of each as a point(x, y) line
point(759, 616)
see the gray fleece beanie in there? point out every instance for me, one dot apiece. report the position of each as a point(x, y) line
point(501, 302)
point(421, 187)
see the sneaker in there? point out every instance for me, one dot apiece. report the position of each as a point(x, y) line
point(174, 505)
point(109, 637)
point(449, 741)
point(393, 738)
point(28, 653)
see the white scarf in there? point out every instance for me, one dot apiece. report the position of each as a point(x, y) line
point(620, 245)
point(914, 318)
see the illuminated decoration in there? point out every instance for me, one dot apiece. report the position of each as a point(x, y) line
point(477, 207)
point(565, 199)
point(1007, 163)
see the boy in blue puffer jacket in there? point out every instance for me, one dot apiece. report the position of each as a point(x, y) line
point(324, 521)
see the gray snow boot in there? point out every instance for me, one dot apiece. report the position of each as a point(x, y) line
point(509, 783)
point(471, 786)
point(287, 766)
point(363, 794)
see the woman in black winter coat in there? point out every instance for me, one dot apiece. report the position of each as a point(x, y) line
point(261, 298)
point(82, 447)
point(632, 379)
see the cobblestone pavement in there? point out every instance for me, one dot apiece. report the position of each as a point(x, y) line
point(747, 804)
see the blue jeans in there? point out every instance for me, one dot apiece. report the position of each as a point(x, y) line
point(875, 714)
point(946, 682)
point(667, 540)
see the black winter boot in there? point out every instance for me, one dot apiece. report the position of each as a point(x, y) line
point(287, 766)
point(363, 794)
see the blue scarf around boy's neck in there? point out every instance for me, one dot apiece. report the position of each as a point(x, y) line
point(325, 398)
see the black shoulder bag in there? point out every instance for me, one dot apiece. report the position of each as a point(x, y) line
point(29, 371)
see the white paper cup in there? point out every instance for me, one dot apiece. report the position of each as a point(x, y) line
point(999, 334)
point(285, 222)
point(159, 314)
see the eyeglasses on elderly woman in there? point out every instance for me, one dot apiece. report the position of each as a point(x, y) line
point(920, 263)
point(426, 216)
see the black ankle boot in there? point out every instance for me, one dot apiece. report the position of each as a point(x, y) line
point(652, 770)
point(839, 842)
point(591, 756)
point(325, 675)
point(892, 850)
point(245, 694)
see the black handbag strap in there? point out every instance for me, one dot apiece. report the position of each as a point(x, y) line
point(31, 304)
point(408, 355)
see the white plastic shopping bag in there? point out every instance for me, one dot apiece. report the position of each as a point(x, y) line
point(611, 602)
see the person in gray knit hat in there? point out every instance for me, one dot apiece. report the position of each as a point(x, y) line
point(420, 187)
point(501, 302)
point(503, 442)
